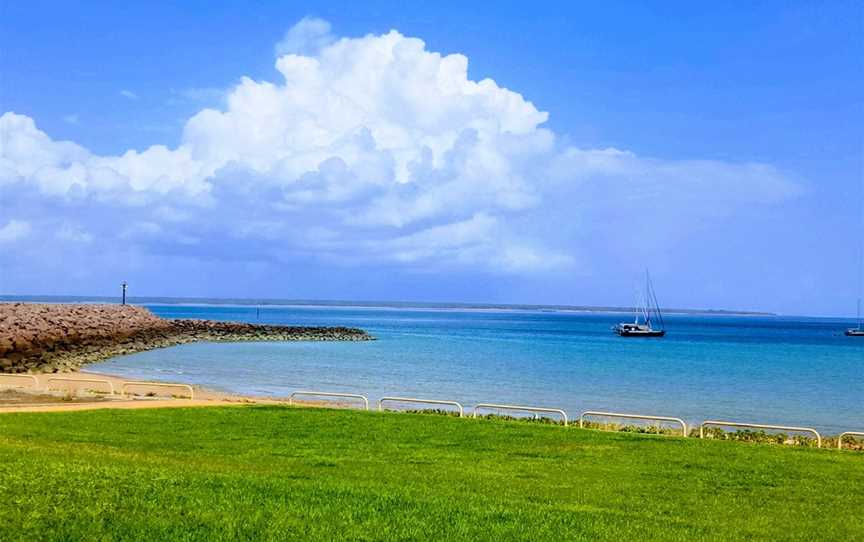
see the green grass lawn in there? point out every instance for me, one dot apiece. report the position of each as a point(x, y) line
point(276, 473)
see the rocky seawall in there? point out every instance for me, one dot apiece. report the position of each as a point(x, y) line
point(56, 338)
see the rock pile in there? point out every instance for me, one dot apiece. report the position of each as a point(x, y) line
point(53, 338)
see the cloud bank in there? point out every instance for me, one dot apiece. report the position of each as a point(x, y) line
point(367, 151)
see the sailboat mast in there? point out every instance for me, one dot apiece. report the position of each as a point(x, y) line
point(652, 303)
point(859, 313)
point(657, 308)
point(646, 306)
point(860, 277)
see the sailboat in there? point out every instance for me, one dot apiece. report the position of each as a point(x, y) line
point(648, 312)
point(856, 331)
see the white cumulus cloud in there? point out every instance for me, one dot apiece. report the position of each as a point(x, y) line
point(307, 37)
point(371, 149)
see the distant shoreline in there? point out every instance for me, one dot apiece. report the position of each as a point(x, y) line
point(396, 305)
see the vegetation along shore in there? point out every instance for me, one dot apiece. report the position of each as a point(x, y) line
point(59, 337)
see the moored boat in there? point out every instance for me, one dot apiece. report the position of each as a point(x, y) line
point(856, 331)
point(638, 330)
point(648, 312)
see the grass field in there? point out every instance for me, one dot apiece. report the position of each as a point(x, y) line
point(276, 473)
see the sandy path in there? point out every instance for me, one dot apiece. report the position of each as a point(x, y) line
point(125, 404)
point(138, 398)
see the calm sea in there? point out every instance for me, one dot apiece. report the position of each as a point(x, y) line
point(798, 371)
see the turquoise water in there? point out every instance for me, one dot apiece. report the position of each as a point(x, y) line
point(798, 371)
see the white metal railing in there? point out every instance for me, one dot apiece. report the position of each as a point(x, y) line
point(761, 426)
point(633, 416)
point(420, 401)
point(186, 387)
point(34, 382)
point(478, 406)
point(86, 380)
point(31, 378)
point(849, 433)
point(329, 394)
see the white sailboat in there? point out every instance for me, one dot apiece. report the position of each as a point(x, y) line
point(648, 312)
point(856, 331)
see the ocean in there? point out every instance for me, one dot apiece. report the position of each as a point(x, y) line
point(760, 369)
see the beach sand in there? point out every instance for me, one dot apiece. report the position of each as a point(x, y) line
point(70, 391)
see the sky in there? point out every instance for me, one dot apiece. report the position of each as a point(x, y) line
point(435, 151)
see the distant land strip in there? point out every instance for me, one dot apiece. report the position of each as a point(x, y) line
point(263, 302)
point(40, 337)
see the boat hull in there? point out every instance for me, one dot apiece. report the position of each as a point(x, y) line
point(640, 333)
point(855, 332)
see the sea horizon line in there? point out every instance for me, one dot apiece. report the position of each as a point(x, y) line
point(383, 304)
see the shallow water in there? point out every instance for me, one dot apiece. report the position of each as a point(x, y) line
point(799, 371)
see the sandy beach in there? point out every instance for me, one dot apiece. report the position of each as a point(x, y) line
point(79, 390)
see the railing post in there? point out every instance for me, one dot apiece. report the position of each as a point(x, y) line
point(563, 414)
point(31, 378)
point(679, 421)
point(88, 380)
point(850, 433)
point(421, 401)
point(761, 426)
point(329, 394)
point(156, 384)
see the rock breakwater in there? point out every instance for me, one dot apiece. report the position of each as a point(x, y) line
point(55, 338)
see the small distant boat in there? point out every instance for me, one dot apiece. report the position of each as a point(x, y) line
point(856, 331)
point(648, 312)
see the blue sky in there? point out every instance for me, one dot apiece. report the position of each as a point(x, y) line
point(720, 146)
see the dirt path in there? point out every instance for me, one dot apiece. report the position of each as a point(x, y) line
point(124, 404)
point(72, 391)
